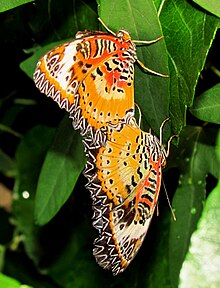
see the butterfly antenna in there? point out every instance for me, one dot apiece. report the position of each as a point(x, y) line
point(170, 139)
point(161, 130)
point(168, 144)
point(106, 27)
point(148, 42)
point(140, 114)
point(168, 200)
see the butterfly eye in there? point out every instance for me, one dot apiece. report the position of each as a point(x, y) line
point(126, 37)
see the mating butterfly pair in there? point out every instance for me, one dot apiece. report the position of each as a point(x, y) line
point(92, 77)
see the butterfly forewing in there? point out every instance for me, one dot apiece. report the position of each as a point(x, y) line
point(108, 94)
point(91, 77)
point(124, 183)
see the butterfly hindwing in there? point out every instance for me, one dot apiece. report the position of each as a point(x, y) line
point(124, 184)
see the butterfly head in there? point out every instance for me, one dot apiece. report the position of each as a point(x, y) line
point(124, 35)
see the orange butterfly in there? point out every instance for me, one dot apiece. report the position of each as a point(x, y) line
point(92, 77)
point(124, 180)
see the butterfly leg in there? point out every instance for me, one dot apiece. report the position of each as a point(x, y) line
point(151, 71)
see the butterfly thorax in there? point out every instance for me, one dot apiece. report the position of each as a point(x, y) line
point(120, 42)
point(158, 151)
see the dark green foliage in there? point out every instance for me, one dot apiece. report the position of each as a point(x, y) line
point(46, 238)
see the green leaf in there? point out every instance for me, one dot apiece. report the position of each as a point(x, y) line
point(212, 6)
point(79, 15)
point(156, 258)
point(140, 19)
point(63, 164)
point(10, 4)
point(2, 257)
point(218, 147)
point(7, 165)
point(29, 65)
point(196, 161)
point(75, 264)
point(188, 41)
point(202, 263)
point(207, 106)
point(8, 282)
point(9, 130)
point(30, 155)
point(158, 97)
point(19, 266)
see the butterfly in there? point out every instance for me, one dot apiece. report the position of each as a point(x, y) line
point(124, 181)
point(92, 77)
